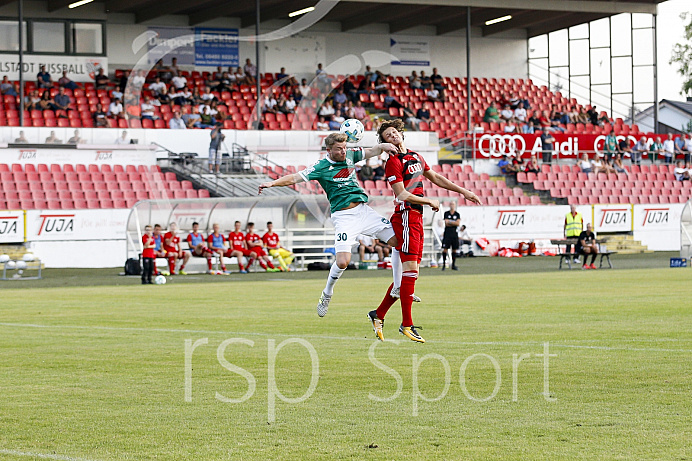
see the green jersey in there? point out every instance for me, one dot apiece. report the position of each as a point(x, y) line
point(338, 179)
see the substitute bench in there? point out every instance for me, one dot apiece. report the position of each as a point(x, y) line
point(567, 257)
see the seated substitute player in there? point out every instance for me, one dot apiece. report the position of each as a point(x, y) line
point(271, 242)
point(451, 235)
point(586, 245)
point(404, 172)
point(171, 243)
point(239, 248)
point(256, 246)
point(336, 173)
point(195, 241)
point(217, 244)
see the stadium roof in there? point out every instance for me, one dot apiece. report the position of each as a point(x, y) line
point(535, 16)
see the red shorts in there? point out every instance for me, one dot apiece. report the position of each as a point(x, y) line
point(259, 251)
point(408, 228)
point(244, 251)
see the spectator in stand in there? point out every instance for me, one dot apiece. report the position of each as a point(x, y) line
point(582, 117)
point(529, 128)
point(599, 166)
point(679, 146)
point(32, 101)
point(196, 97)
point(173, 68)
point(216, 243)
point(240, 77)
point(256, 245)
point(162, 70)
point(122, 83)
point(491, 113)
point(687, 149)
point(425, 81)
point(62, 101)
point(437, 81)
point(333, 123)
point(340, 97)
point(271, 242)
point(176, 122)
point(46, 102)
point(327, 109)
point(379, 86)
point(123, 139)
point(269, 104)
point(196, 243)
point(100, 117)
point(669, 148)
point(101, 80)
point(13, 90)
point(610, 146)
point(43, 79)
point(532, 165)
point(414, 81)
point(179, 82)
point(139, 80)
point(226, 83)
point(434, 95)
point(287, 106)
point(5, 85)
point(75, 139)
point(207, 95)
point(585, 164)
point(157, 86)
point(681, 171)
point(290, 79)
point(183, 96)
point(555, 118)
point(506, 114)
point(21, 139)
point(504, 165)
point(547, 142)
point(656, 150)
point(65, 82)
point(586, 245)
point(350, 89)
point(115, 109)
point(511, 127)
point(322, 124)
point(366, 173)
point(147, 109)
point(520, 113)
point(376, 123)
point(618, 166)
point(174, 252)
point(422, 115)
point(250, 72)
point(304, 88)
point(625, 147)
point(546, 124)
point(52, 139)
point(379, 171)
point(217, 137)
point(339, 115)
point(164, 98)
point(639, 150)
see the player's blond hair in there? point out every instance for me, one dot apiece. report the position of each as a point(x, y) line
point(334, 138)
point(396, 123)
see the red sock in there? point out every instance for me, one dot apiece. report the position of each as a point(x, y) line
point(263, 264)
point(182, 267)
point(386, 303)
point(250, 262)
point(171, 265)
point(270, 264)
point(209, 263)
point(408, 285)
point(240, 266)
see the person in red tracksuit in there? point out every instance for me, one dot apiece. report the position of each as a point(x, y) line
point(404, 172)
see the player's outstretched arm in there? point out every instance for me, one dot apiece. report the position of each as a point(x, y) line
point(445, 183)
point(378, 149)
point(405, 196)
point(288, 180)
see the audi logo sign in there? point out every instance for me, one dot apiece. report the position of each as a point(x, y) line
point(499, 144)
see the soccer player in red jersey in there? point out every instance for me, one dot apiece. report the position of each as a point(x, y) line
point(404, 172)
point(217, 244)
point(271, 242)
point(239, 247)
point(195, 241)
point(148, 256)
point(171, 243)
point(255, 245)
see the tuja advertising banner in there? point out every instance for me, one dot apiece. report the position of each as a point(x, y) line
point(12, 226)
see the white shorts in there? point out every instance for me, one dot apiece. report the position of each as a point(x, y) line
point(214, 156)
point(362, 219)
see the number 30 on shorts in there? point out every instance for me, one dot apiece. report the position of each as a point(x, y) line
point(341, 237)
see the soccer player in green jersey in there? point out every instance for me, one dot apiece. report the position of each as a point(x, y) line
point(336, 173)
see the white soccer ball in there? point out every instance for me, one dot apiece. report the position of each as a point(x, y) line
point(352, 128)
point(29, 257)
point(11, 265)
point(21, 265)
point(4, 258)
point(160, 280)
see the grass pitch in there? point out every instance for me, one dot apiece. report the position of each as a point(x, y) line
point(99, 373)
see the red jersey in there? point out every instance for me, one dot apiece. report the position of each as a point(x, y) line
point(271, 240)
point(407, 168)
point(249, 238)
point(174, 245)
point(237, 240)
point(148, 252)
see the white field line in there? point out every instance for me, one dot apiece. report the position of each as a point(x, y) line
point(40, 455)
point(345, 338)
